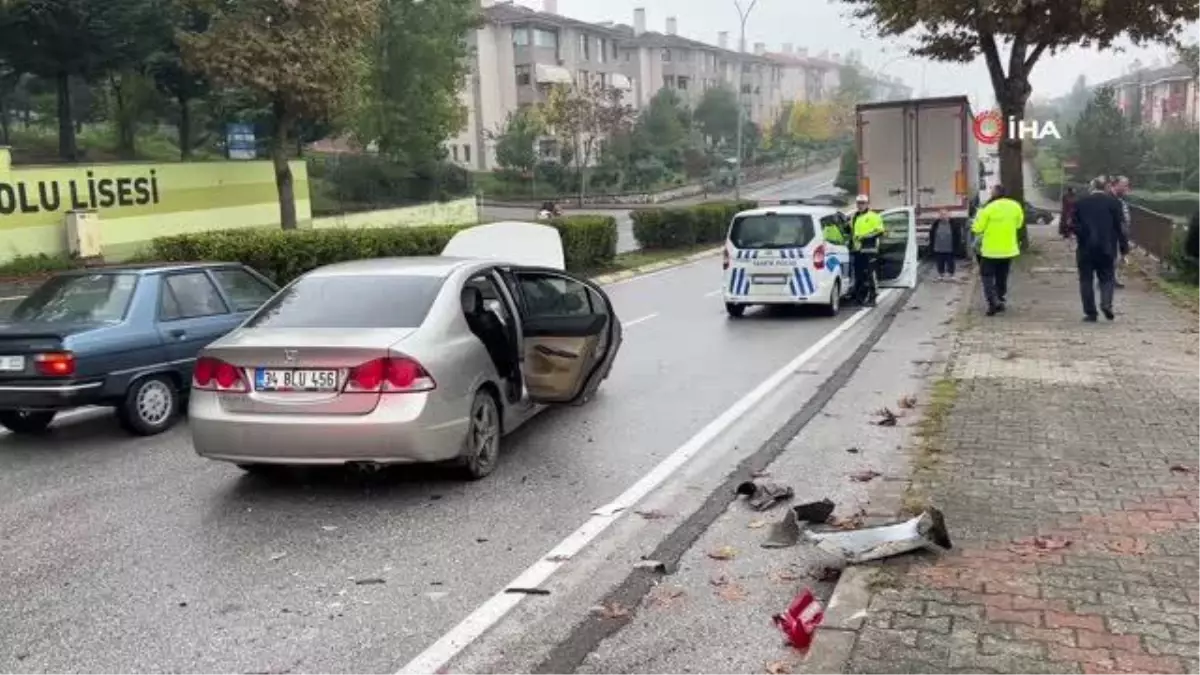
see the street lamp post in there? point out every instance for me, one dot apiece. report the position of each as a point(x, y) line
point(743, 14)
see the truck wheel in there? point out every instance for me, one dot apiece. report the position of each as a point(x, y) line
point(151, 406)
point(835, 300)
point(26, 421)
point(735, 310)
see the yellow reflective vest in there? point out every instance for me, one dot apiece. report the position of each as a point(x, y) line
point(998, 228)
point(867, 228)
point(833, 234)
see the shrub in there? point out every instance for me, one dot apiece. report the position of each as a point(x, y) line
point(660, 228)
point(588, 242)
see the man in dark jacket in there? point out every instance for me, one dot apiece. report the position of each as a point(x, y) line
point(1101, 237)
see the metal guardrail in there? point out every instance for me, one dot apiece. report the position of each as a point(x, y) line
point(1152, 232)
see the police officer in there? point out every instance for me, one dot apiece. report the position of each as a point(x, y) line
point(997, 227)
point(865, 229)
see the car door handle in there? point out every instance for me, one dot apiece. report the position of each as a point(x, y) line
point(178, 333)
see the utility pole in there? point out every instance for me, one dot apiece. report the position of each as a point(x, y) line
point(743, 14)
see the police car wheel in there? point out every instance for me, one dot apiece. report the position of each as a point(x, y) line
point(735, 310)
point(835, 300)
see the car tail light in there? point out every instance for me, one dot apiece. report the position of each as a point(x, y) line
point(55, 364)
point(216, 375)
point(819, 257)
point(725, 259)
point(396, 374)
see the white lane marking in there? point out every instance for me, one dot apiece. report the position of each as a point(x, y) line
point(493, 610)
point(12, 297)
point(716, 292)
point(634, 322)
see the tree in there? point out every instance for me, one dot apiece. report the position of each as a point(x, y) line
point(583, 117)
point(717, 114)
point(60, 40)
point(304, 59)
point(810, 122)
point(663, 127)
point(181, 84)
point(10, 79)
point(847, 175)
point(1106, 142)
point(958, 31)
point(516, 143)
point(1189, 55)
point(418, 67)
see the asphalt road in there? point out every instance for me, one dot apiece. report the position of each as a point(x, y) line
point(130, 555)
point(807, 186)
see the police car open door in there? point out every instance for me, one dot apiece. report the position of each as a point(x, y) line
point(898, 248)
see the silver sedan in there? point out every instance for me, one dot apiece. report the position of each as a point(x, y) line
point(407, 360)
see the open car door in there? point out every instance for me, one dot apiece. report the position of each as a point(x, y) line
point(509, 241)
point(570, 335)
point(898, 248)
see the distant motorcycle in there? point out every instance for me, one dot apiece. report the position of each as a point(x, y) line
point(549, 211)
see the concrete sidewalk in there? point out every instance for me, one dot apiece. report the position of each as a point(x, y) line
point(1065, 462)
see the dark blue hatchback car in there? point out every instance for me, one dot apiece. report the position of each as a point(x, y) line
point(125, 337)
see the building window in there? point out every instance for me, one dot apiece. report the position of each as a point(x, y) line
point(524, 76)
point(666, 55)
point(454, 151)
point(602, 52)
point(681, 83)
point(628, 56)
point(614, 51)
point(466, 153)
point(669, 81)
point(746, 89)
point(582, 79)
point(545, 38)
point(602, 78)
point(521, 36)
point(585, 51)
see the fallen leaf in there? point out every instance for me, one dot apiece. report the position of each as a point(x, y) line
point(907, 402)
point(652, 514)
point(887, 418)
point(851, 522)
point(1104, 464)
point(1179, 468)
point(1040, 544)
point(757, 524)
point(278, 556)
point(719, 581)
point(864, 476)
point(1009, 355)
point(662, 596)
point(370, 581)
point(853, 451)
point(732, 593)
point(611, 610)
point(723, 553)
point(779, 667)
point(914, 307)
point(1129, 547)
point(783, 576)
point(760, 474)
point(329, 528)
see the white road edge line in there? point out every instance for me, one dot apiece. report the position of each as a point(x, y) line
point(487, 615)
point(634, 322)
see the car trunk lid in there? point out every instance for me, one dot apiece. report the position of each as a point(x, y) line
point(21, 342)
point(302, 371)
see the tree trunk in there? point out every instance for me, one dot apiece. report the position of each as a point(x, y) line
point(1012, 163)
point(5, 123)
point(185, 128)
point(126, 129)
point(67, 149)
point(283, 172)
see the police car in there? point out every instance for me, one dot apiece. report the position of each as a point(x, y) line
point(777, 254)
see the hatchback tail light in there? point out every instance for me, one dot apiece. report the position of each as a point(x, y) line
point(725, 259)
point(216, 375)
point(55, 364)
point(396, 374)
point(819, 257)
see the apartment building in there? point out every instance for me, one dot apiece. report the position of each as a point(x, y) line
point(1161, 96)
point(520, 53)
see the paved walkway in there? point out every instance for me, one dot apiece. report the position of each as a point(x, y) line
point(1067, 472)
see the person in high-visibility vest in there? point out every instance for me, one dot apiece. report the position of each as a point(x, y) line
point(997, 229)
point(866, 227)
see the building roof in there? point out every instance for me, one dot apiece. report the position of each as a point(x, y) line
point(1178, 71)
point(508, 12)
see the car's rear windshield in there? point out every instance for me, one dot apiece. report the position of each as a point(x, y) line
point(792, 230)
point(78, 298)
point(366, 301)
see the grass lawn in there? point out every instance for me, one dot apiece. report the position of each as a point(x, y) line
point(97, 143)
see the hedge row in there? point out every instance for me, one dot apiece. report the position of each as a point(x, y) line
point(589, 242)
point(1168, 203)
point(707, 223)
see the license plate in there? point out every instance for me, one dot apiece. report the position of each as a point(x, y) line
point(270, 379)
point(776, 279)
point(12, 364)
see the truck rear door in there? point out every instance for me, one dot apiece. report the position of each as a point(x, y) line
point(940, 157)
point(883, 160)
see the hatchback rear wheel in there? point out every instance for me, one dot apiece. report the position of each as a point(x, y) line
point(735, 309)
point(481, 448)
point(26, 421)
point(151, 406)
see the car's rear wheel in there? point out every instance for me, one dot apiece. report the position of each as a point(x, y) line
point(835, 299)
point(481, 448)
point(26, 421)
point(151, 406)
point(736, 310)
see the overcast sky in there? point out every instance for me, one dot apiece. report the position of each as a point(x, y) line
point(825, 25)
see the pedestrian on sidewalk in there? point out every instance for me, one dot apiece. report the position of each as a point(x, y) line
point(1120, 189)
point(941, 240)
point(1066, 217)
point(997, 229)
point(1100, 239)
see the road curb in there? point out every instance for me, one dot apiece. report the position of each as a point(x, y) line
point(844, 616)
point(623, 275)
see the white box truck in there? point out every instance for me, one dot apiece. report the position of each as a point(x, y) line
point(921, 153)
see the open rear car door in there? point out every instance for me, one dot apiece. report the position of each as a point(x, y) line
point(898, 248)
point(570, 335)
